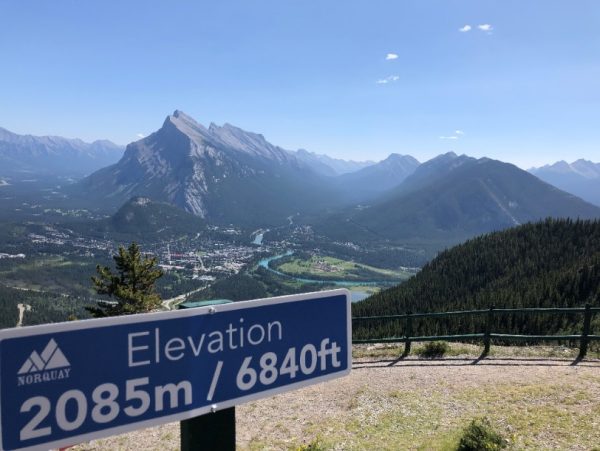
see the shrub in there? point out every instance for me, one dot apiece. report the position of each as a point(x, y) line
point(481, 436)
point(433, 349)
point(315, 445)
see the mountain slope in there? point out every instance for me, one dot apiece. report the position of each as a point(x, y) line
point(430, 171)
point(142, 220)
point(223, 174)
point(581, 178)
point(53, 155)
point(324, 164)
point(554, 263)
point(369, 182)
point(455, 202)
point(141, 216)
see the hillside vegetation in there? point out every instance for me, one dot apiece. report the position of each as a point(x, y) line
point(554, 263)
point(450, 199)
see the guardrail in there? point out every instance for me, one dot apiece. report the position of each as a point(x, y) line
point(487, 335)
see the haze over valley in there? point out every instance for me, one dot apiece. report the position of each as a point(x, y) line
point(230, 214)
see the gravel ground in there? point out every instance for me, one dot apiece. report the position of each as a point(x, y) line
point(537, 403)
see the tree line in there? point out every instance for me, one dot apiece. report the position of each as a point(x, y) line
point(552, 263)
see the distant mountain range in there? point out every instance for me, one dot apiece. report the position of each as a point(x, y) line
point(451, 198)
point(226, 175)
point(52, 155)
point(325, 165)
point(582, 178)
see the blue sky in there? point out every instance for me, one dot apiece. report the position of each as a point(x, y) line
point(521, 85)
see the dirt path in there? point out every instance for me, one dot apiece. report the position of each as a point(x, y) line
point(417, 404)
point(22, 309)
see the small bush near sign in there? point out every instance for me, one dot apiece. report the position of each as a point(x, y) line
point(480, 435)
point(433, 349)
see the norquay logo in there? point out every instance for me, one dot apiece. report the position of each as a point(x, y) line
point(50, 365)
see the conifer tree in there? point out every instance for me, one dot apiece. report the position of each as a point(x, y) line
point(132, 286)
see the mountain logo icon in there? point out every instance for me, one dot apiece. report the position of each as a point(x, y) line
point(50, 358)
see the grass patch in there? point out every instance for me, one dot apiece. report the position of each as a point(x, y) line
point(530, 416)
point(538, 414)
point(314, 445)
point(324, 268)
point(395, 421)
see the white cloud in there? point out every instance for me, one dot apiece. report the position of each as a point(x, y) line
point(386, 80)
point(391, 56)
point(465, 28)
point(140, 135)
point(456, 135)
point(485, 27)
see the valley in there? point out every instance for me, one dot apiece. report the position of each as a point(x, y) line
point(436, 165)
point(228, 215)
point(58, 258)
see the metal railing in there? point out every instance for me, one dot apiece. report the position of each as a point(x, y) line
point(487, 335)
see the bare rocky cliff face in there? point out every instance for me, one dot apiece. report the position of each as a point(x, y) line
point(221, 173)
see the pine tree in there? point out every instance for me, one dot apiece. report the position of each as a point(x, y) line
point(131, 287)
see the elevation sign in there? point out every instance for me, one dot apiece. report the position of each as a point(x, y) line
point(71, 382)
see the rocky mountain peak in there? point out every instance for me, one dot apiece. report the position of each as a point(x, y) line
point(187, 125)
point(216, 172)
point(586, 169)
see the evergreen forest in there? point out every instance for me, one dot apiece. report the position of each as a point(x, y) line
point(553, 263)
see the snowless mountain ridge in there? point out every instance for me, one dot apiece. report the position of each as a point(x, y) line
point(581, 177)
point(581, 167)
point(54, 155)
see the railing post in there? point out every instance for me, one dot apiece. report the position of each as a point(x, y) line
point(583, 343)
point(488, 331)
point(407, 334)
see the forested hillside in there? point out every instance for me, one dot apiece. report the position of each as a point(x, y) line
point(42, 307)
point(554, 263)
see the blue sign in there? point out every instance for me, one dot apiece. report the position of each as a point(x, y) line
point(66, 383)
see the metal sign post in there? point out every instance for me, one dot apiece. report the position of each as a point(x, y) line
point(215, 430)
point(72, 382)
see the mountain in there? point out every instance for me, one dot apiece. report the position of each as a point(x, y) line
point(582, 178)
point(431, 170)
point(223, 174)
point(371, 181)
point(453, 198)
point(324, 164)
point(554, 263)
point(142, 216)
point(142, 220)
point(53, 155)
